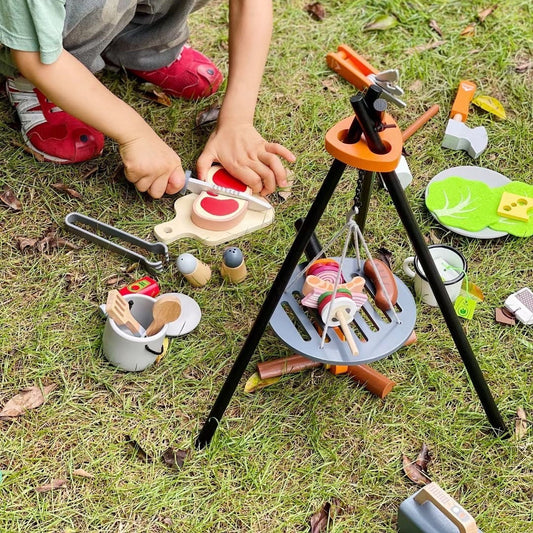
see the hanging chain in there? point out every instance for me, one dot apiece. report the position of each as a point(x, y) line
point(357, 197)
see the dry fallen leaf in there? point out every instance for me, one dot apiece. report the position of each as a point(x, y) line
point(208, 117)
point(385, 255)
point(435, 27)
point(141, 454)
point(255, 383)
point(155, 94)
point(416, 86)
point(423, 458)
point(520, 428)
point(491, 105)
point(384, 22)
point(469, 30)
point(424, 47)
point(54, 484)
point(8, 197)
point(24, 242)
point(331, 84)
point(113, 280)
point(49, 242)
point(174, 458)
point(316, 10)
point(416, 470)
point(82, 473)
point(484, 13)
point(433, 237)
point(320, 520)
point(28, 398)
point(522, 67)
point(285, 192)
point(89, 173)
point(65, 188)
point(37, 155)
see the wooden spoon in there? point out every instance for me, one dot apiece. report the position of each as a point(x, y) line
point(167, 308)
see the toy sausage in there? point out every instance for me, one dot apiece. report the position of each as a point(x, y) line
point(389, 283)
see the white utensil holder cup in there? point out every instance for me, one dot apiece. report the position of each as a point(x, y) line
point(126, 351)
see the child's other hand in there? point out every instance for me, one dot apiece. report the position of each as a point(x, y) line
point(246, 156)
point(152, 166)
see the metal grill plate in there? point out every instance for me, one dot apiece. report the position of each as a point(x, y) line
point(377, 334)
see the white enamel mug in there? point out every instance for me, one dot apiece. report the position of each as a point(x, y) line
point(125, 350)
point(451, 266)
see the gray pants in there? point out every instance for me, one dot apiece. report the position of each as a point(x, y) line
point(134, 34)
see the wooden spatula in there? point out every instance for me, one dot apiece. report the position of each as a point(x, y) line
point(167, 308)
point(118, 309)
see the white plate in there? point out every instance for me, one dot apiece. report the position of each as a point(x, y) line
point(489, 177)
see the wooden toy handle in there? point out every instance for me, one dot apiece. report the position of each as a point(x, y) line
point(465, 93)
point(419, 122)
point(285, 365)
point(448, 506)
point(371, 379)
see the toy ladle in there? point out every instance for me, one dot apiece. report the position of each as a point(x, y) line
point(166, 309)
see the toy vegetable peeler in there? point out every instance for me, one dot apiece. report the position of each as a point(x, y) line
point(75, 221)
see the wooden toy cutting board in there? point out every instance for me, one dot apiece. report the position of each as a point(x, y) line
point(181, 226)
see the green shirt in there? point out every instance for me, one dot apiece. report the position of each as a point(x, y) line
point(31, 26)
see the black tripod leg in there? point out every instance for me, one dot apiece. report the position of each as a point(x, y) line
point(452, 320)
point(269, 306)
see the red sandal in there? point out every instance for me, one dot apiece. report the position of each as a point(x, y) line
point(50, 131)
point(191, 76)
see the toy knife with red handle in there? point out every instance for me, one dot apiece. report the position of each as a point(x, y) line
point(197, 186)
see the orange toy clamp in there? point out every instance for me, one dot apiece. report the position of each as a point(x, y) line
point(361, 74)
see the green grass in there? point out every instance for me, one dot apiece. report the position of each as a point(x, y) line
point(280, 454)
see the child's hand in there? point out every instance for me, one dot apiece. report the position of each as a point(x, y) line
point(246, 156)
point(151, 165)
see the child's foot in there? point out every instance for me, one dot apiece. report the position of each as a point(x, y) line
point(191, 76)
point(50, 131)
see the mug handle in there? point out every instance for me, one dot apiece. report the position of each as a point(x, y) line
point(407, 266)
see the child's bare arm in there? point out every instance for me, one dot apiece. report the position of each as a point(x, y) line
point(235, 143)
point(149, 163)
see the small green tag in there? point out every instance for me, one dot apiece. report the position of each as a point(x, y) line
point(464, 307)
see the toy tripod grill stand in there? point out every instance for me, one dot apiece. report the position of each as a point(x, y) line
point(371, 142)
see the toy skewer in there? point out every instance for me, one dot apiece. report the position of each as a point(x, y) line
point(342, 318)
point(339, 310)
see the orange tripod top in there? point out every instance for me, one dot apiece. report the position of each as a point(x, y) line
point(359, 155)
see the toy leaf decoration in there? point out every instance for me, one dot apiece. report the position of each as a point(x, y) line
point(461, 203)
point(490, 104)
point(472, 205)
